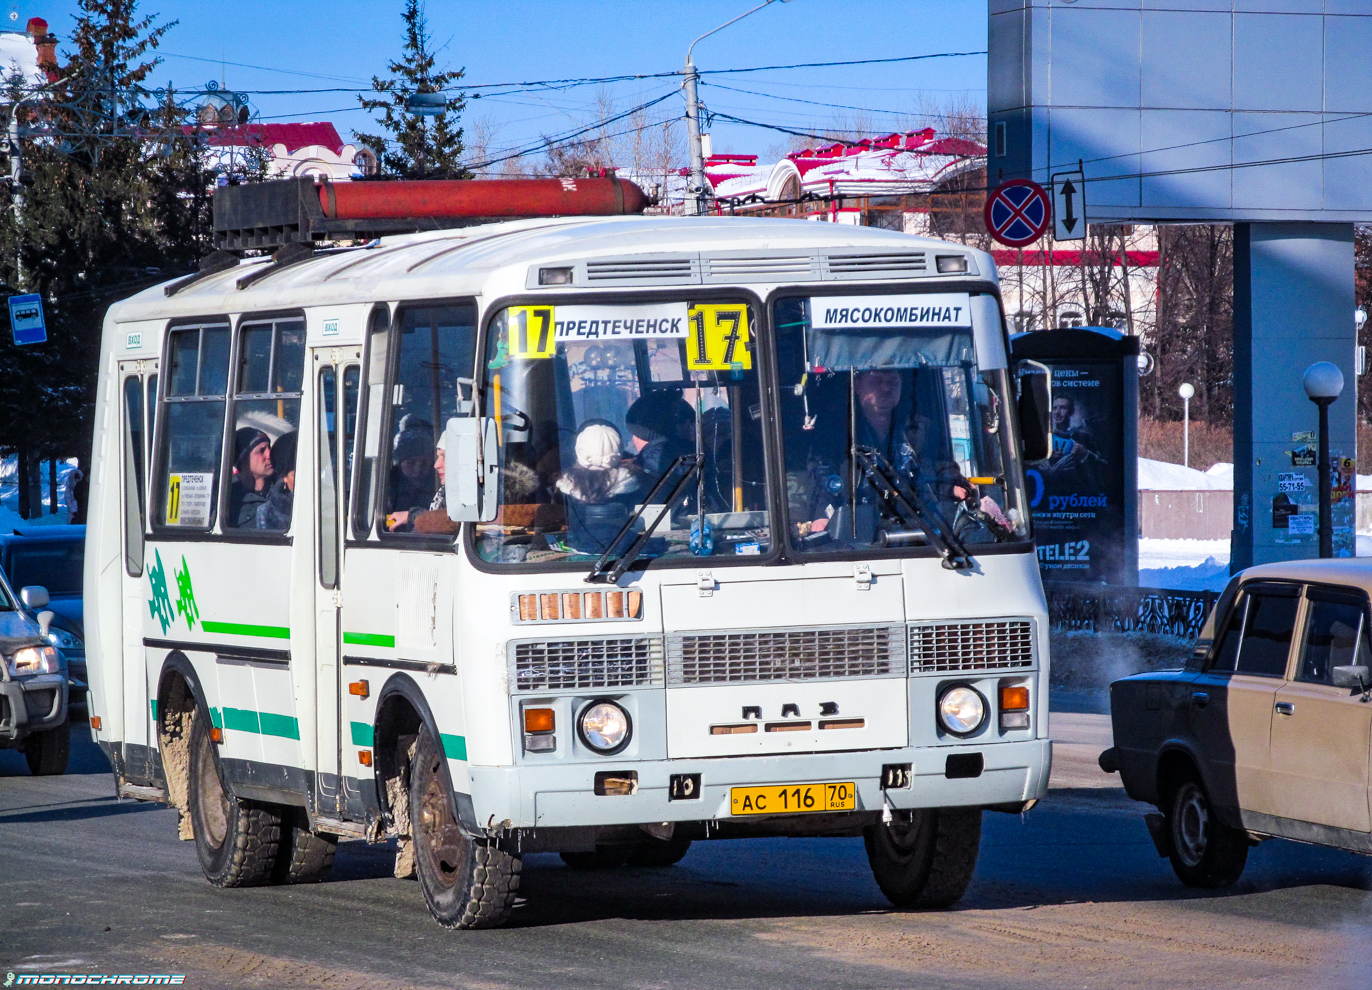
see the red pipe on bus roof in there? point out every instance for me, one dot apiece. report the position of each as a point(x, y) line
point(591, 197)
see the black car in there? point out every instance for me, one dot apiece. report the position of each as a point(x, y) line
point(51, 557)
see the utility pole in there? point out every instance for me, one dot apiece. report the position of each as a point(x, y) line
point(697, 195)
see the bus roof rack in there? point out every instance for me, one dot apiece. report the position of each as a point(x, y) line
point(270, 215)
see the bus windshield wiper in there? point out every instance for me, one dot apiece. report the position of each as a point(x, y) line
point(902, 500)
point(609, 568)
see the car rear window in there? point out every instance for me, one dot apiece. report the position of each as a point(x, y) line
point(1267, 631)
point(55, 566)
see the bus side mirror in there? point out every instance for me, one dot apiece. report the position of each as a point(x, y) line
point(1035, 410)
point(471, 469)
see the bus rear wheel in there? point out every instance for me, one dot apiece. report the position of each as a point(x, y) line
point(659, 852)
point(236, 841)
point(467, 882)
point(303, 856)
point(925, 858)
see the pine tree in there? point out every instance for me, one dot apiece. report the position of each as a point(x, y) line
point(414, 146)
point(106, 215)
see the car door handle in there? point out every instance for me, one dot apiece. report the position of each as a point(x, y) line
point(1285, 708)
point(1200, 698)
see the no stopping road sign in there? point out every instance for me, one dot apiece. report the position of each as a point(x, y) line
point(1018, 212)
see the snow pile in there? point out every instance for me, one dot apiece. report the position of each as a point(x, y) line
point(1160, 476)
point(9, 495)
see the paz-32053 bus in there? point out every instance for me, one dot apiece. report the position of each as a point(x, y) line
point(589, 535)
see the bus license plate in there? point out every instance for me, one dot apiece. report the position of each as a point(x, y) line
point(789, 799)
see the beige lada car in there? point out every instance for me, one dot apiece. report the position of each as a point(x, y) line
point(1266, 732)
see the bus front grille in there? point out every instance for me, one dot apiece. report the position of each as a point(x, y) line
point(785, 655)
point(586, 664)
point(972, 645)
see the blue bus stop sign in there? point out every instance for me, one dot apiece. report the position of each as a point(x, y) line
point(26, 319)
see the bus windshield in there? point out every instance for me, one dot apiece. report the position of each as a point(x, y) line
point(892, 435)
point(616, 419)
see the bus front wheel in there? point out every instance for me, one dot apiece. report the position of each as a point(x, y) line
point(925, 858)
point(236, 841)
point(467, 882)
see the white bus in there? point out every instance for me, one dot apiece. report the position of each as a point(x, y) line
point(594, 536)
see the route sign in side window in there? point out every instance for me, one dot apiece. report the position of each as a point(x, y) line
point(1267, 633)
point(192, 427)
point(1335, 634)
point(1227, 648)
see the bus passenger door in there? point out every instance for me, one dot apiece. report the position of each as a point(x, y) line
point(137, 400)
point(335, 427)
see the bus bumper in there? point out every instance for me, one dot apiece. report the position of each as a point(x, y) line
point(524, 797)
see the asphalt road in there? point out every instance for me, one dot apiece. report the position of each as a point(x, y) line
point(1070, 895)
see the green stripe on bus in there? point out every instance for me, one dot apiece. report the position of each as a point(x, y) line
point(245, 629)
point(454, 747)
point(362, 734)
point(262, 723)
point(216, 718)
point(153, 703)
point(368, 639)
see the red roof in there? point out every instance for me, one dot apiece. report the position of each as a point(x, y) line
point(957, 147)
point(293, 136)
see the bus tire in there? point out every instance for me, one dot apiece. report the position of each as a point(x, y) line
point(236, 841)
point(602, 858)
point(302, 856)
point(659, 852)
point(1204, 851)
point(925, 859)
point(47, 752)
point(467, 882)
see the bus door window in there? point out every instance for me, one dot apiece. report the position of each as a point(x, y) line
point(352, 378)
point(434, 361)
point(327, 458)
point(193, 426)
point(135, 449)
point(271, 366)
point(374, 412)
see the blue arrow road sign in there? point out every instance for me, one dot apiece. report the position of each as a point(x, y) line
point(26, 319)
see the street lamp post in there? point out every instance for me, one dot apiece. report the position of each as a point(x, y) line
point(697, 199)
point(1323, 383)
point(1186, 391)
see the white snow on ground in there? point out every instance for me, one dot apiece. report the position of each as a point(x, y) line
point(1161, 476)
point(1186, 565)
point(9, 495)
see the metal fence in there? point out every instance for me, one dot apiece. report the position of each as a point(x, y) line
point(1076, 607)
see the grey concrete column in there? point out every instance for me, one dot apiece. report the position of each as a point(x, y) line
point(1293, 306)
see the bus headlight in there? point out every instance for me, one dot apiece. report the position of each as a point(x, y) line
point(34, 660)
point(605, 727)
point(961, 709)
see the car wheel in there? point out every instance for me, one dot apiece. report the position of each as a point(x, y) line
point(47, 752)
point(236, 841)
point(1205, 852)
point(925, 858)
point(467, 882)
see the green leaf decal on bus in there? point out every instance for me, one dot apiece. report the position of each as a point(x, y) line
point(185, 595)
point(160, 605)
point(362, 734)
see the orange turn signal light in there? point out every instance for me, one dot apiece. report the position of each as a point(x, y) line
point(539, 720)
point(360, 689)
point(1014, 699)
point(364, 756)
point(216, 735)
point(95, 722)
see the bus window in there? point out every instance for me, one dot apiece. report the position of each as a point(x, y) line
point(193, 426)
point(433, 375)
point(378, 333)
point(134, 452)
point(266, 408)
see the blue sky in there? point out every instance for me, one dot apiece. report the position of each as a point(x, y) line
point(317, 44)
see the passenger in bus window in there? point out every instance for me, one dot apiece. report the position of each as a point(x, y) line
point(599, 488)
point(413, 480)
point(662, 425)
point(274, 514)
point(434, 521)
point(252, 474)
